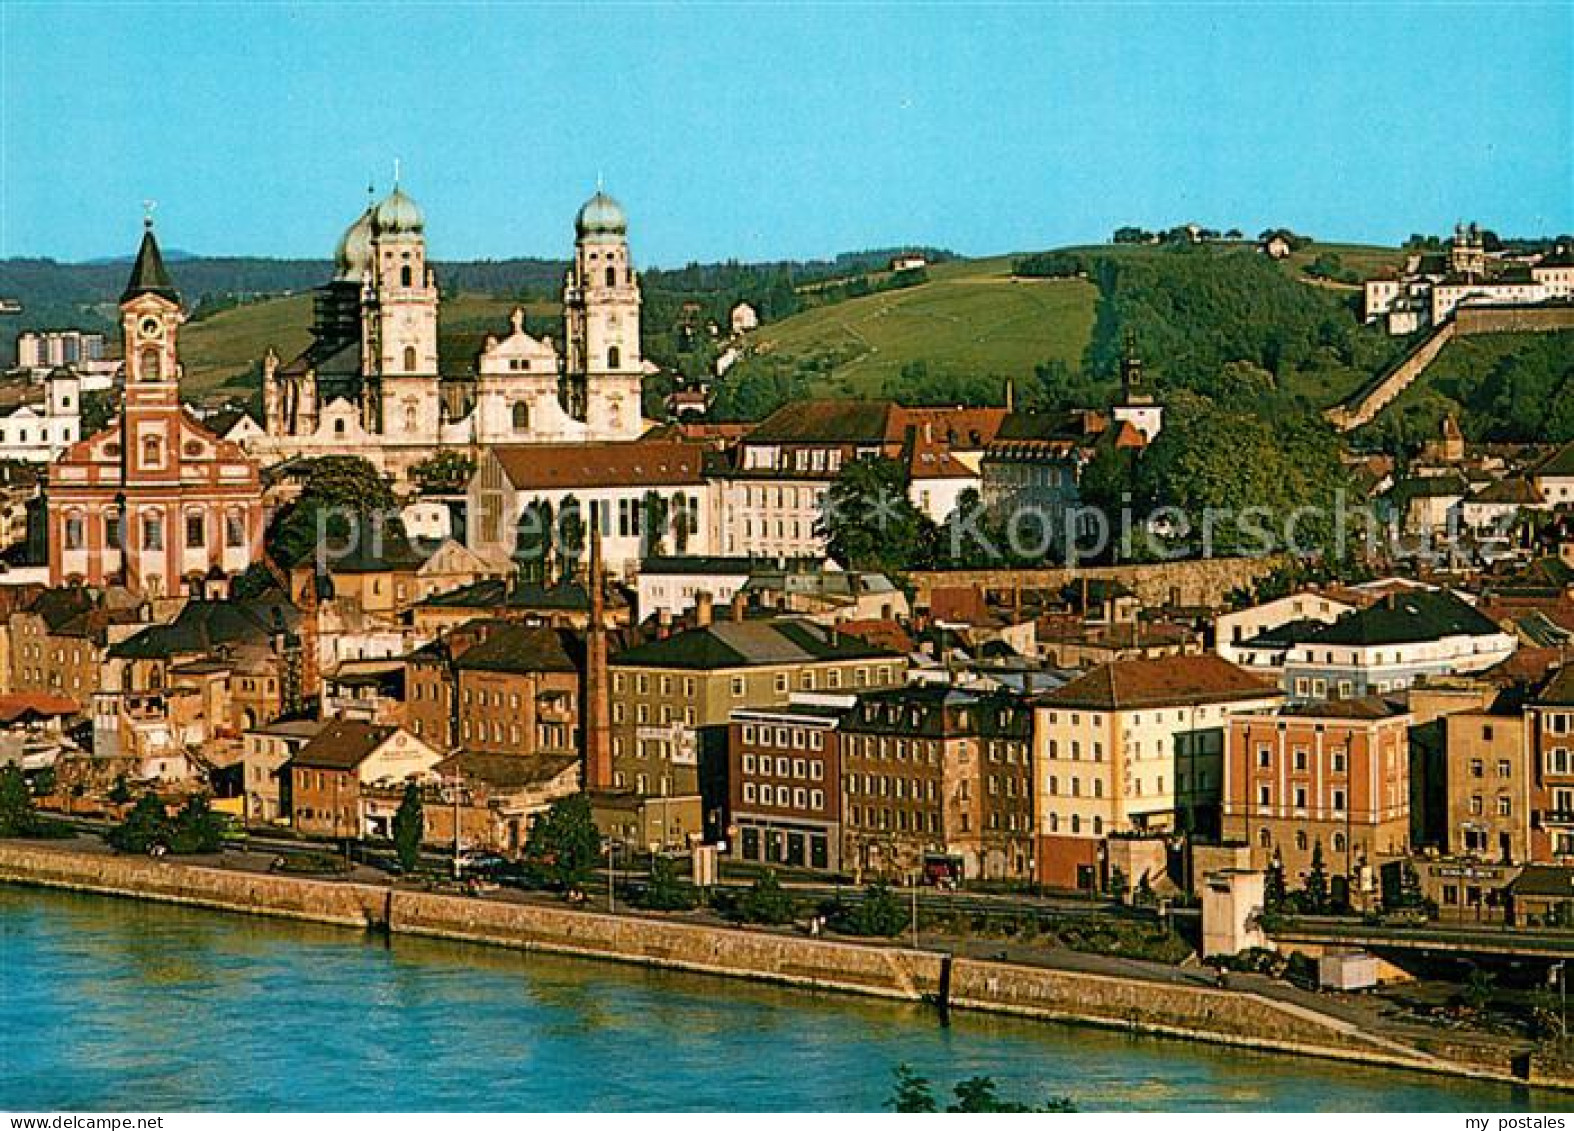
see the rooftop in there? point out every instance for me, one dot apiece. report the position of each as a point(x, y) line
point(1172, 681)
point(761, 643)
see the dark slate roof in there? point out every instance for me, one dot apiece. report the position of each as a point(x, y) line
point(507, 771)
point(1560, 463)
point(749, 644)
point(206, 626)
point(1172, 681)
point(1514, 490)
point(148, 275)
point(1285, 635)
point(519, 648)
point(493, 593)
point(342, 745)
point(704, 566)
point(1408, 618)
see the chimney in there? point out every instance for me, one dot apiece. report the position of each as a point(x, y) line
point(737, 607)
point(663, 623)
point(598, 688)
point(703, 602)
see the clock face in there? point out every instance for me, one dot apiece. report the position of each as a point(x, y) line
point(152, 327)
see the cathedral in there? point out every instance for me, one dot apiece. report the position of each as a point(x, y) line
point(372, 381)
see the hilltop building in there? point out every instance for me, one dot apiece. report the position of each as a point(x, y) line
point(373, 379)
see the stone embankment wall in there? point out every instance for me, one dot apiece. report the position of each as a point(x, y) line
point(1172, 1009)
point(1201, 582)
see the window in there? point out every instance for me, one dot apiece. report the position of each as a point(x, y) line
point(74, 532)
point(234, 530)
point(196, 531)
point(112, 531)
point(152, 452)
point(738, 687)
point(614, 357)
point(521, 414)
point(152, 532)
point(409, 351)
point(612, 276)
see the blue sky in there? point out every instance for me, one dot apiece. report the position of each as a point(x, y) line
point(760, 131)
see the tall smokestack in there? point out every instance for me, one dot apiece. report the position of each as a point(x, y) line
point(598, 708)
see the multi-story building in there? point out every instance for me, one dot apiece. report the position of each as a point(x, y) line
point(264, 752)
point(1332, 774)
point(1235, 632)
point(672, 700)
point(519, 692)
point(328, 774)
point(784, 800)
point(1403, 639)
point(38, 431)
point(154, 501)
point(1133, 746)
point(525, 499)
point(938, 779)
point(1488, 782)
point(58, 642)
point(1549, 730)
point(50, 349)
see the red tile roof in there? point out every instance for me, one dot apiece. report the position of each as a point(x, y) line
point(1169, 682)
point(581, 466)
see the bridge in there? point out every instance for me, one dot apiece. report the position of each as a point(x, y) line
point(1483, 940)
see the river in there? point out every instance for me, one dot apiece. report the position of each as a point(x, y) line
point(115, 1005)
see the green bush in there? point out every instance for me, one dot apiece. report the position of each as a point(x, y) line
point(667, 891)
point(765, 903)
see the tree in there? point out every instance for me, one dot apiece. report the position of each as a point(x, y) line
point(145, 826)
point(17, 815)
point(1316, 890)
point(409, 827)
point(563, 844)
point(570, 539)
point(881, 914)
point(911, 1094)
point(120, 792)
point(445, 472)
point(533, 542)
point(656, 519)
point(1478, 989)
point(343, 498)
point(765, 902)
point(666, 890)
point(197, 828)
point(1275, 891)
point(870, 523)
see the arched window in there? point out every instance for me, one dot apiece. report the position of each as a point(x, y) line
point(1338, 842)
point(612, 276)
point(521, 416)
point(152, 453)
point(1265, 838)
point(409, 359)
point(405, 276)
point(151, 367)
point(410, 417)
point(614, 357)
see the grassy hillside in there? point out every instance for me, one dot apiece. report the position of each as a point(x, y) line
point(971, 316)
point(222, 352)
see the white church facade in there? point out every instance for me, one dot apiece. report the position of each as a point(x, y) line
point(371, 381)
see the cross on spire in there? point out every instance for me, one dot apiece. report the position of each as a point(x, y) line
point(147, 213)
point(396, 172)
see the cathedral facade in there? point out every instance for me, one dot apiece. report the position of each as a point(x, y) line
point(372, 382)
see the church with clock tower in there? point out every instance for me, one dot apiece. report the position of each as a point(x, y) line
point(154, 502)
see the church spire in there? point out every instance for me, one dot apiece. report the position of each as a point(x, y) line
point(148, 274)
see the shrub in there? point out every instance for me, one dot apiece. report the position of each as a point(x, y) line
point(765, 903)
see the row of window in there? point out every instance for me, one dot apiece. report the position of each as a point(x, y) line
point(884, 748)
point(1300, 759)
point(883, 785)
point(795, 737)
point(668, 714)
point(1299, 795)
point(75, 533)
point(1301, 841)
point(811, 768)
point(1075, 824)
point(783, 797)
point(899, 820)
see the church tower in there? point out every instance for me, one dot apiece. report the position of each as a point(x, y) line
point(150, 324)
point(602, 363)
point(399, 325)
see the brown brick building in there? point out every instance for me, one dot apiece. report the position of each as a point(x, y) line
point(784, 783)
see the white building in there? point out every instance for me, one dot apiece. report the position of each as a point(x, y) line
point(37, 433)
point(1232, 630)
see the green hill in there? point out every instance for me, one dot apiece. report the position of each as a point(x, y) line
point(971, 317)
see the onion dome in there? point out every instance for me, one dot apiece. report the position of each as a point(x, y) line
point(601, 216)
point(354, 255)
point(397, 214)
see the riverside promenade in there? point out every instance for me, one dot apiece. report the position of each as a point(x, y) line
point(1141, 998)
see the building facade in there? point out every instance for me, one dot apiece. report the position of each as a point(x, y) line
point(155, 502)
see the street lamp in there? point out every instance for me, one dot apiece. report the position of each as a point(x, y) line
point(1559, 969)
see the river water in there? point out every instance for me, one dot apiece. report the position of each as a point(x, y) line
point(115, 1005)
